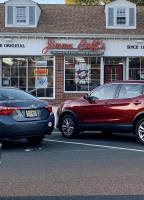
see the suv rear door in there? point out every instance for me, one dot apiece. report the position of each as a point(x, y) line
point(128, 103)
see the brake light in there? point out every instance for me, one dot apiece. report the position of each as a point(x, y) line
point(7, 110)
point(49, 108)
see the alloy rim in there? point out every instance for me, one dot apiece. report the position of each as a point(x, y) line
point(141, 131)
point(68, 126)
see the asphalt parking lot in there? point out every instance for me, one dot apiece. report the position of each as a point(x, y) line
point(90, 167)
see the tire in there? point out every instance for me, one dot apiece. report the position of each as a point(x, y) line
point(35, 139)
point(140, 130)
point(69, 127)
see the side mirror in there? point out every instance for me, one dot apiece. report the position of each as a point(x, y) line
point(93, 98)
point(86, 97)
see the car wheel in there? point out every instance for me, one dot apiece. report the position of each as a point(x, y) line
point(35, 139)
point(69, 126)
point(140, 130)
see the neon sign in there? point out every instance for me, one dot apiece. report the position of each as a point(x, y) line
point(41, 72)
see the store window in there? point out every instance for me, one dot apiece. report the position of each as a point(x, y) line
point(33, 74)
point(82, 73)
point(14, 72)
point(40, 79)
point(113, 61)
point(136, 68)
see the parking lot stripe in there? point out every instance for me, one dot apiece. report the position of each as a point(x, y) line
point(95, 145)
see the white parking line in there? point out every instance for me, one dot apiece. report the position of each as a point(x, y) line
point(95, 145)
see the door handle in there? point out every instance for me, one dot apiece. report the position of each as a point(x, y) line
point(137, 102)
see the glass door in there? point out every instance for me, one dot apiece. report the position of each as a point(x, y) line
point(113, 73)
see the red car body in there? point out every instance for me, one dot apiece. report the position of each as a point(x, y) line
point(119, 107)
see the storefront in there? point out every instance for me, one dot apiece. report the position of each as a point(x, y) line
point(57, 55)
point(57, 69)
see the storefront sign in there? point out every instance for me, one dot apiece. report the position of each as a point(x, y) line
point(12, 45)
point(135, 47)
point(83, 45)
point(94, 46)
point(53, 45)
point(41, 72)
point(77, 52)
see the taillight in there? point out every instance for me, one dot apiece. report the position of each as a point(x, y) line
point(7, 110)
point(49, 108)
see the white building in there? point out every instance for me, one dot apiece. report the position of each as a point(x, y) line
point(58, 52)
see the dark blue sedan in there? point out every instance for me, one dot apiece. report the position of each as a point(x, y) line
point(24, 116)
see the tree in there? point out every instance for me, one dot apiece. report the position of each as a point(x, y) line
point(86, 2)
point(138, 2)
point(96, 2)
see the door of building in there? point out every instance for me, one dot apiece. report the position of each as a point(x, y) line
point(113, 73)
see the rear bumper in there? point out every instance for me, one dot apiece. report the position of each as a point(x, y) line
point(14, 129)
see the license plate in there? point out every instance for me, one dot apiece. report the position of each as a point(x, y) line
point(31, 113)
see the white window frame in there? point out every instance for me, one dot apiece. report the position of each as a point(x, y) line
point(26, 15)
point(120, 13)
point(126, 17)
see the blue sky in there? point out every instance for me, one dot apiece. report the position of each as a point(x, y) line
point(44, 1)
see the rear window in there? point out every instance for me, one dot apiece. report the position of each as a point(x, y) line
point(130, 90)
point(13, 94)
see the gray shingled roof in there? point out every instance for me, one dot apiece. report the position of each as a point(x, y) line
point(73, 19)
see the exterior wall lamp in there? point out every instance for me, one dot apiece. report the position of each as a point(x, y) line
point(139, 41)
point(8, 39)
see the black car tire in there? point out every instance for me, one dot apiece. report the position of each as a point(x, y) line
point(140, 130)
point(69, 126)
point(35, 139)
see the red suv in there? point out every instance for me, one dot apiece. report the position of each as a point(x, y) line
point(112, 107)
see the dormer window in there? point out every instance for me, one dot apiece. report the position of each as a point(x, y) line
point(121, 14)
point(22, 13)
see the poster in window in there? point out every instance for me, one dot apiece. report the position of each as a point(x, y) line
point(140, 74)
point(41, 63)
point(6, 82)
point(41, 82)
point(82, 73)
point(38, 64)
